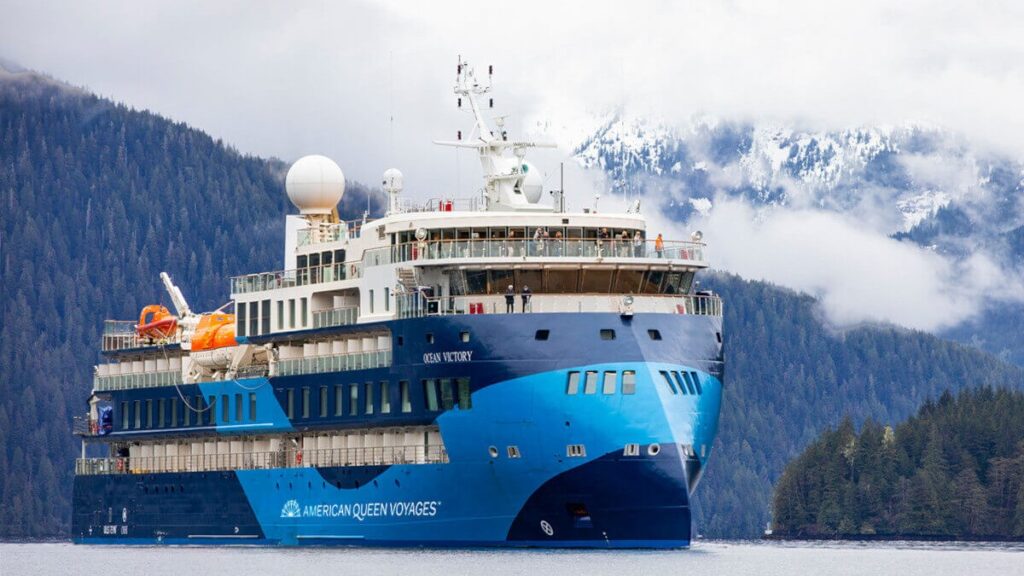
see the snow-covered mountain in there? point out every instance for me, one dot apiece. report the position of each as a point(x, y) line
point(913, 183)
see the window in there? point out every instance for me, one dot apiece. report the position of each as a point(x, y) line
point(401, 340)
point(124, 415)
point(631, 450)
point(323, 401)
point(371, 301)
point(305, 401)
point(403, 391)
point(573, 385)
point(238, 407)
point(689, 383)
point(369, 398)
point(464, 336)
point(696, 382)
point(513, 452)
point(465, 398)
point(186, 416)
point(668, 380)
point(576, 451)
point(590, 384)
point(447, 397)
point(174, 412)
point(291, 404)
point(241, 319)
point(542, 335)
point(280, 314)
point(609, 383)
point(225, 409)
point(607, 334)
point(339, 398)
point(387, 299)
point(430, 337)
point(149, 413)
point(254, 321)
point(385, 397)
point(291, 313)
point(353, 400)
point(138, 414)
point(211, 414)
point(252, 406)
point(679, 383)
point(304, 310)
point(654, 334)
point(265, 316)
point(161, 413)
point(430, 394)
point(628, 382)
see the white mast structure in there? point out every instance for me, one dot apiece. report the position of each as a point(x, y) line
point(510, 182)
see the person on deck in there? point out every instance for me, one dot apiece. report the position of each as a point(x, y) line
point(638, 245)
point(659, 245)
point(526, 298)
point(510, 300)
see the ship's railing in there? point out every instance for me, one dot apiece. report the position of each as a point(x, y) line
point(119, 335)
point(297, 277)
point(292, 458)
point(333, 363)
point(416, 305)
point(134, 381)
point(547, 248)
point(470, 204)
point(341, 316)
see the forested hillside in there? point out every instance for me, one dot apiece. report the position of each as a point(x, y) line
point(96, 199)
point(956, 469)
point(788, 377)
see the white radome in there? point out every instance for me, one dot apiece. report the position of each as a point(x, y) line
point(315, 184)
point(532, 184)
point(392, 180)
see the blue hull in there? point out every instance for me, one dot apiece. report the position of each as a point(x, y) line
point(604, 498)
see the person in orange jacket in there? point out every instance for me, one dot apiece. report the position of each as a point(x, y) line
point(659, 245)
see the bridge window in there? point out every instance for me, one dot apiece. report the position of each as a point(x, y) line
point(573, 385)
point(608, 386)
point(430, 394)
point(465, 397)
point(668, 380)
point(403, 390)
point(590, 383)
point(241, 319)
point(628, 382)
point(447, 398)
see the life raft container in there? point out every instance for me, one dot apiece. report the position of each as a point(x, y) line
point(156, 323)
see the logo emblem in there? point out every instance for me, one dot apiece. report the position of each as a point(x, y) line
point(546, 527)
point(291, 509)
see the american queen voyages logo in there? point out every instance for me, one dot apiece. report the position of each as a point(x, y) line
point(362, 510)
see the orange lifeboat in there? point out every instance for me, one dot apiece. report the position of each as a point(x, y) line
point(156, 323)
point(214, 331)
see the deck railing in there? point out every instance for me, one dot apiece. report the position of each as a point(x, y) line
point(416, 305)
point(297, 277)
point(342, 316)
point(547, 248)
point(333, 363)
point(134, 381)
point(291, 458)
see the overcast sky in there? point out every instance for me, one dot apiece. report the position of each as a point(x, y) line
point(369, 84)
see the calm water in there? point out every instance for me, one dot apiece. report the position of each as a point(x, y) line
point(705, 558)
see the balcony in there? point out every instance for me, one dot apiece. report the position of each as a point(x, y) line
point(417, 305)
point(343, 316)
point(674, 251)
point(297, 277)
point(333, 363)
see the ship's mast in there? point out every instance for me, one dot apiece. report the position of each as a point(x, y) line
point(508, 181)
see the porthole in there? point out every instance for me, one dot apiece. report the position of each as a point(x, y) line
point(607, 334)
point(513, 452)
point(653, 449)
point(464, 336)
point(654, 334)
point(542, 334)
point(493, 451)
point(430, 337)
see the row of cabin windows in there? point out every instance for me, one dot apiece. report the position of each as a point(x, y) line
point(610, 382)
point(682, 382)
point(178, 412)
point(438, 393)
point(254, 318)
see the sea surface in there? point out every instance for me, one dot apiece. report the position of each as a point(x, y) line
point(704, 558)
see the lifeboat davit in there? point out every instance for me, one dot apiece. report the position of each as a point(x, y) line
point(156, 323)
point(214, 340)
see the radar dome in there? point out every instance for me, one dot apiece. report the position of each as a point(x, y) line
point(392, 180)
point(315, 184)
point(532, 184)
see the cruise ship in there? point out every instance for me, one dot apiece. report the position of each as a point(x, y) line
point(498, 370)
